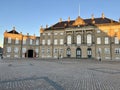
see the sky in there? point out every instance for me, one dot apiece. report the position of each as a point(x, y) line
point(29, 15)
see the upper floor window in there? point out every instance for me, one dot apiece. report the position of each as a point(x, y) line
point(31, 41)
point(106, 40)
point(61, 33)
point(9, 39)
point(43, 42)
point(98, 31)
point(8, 49)
point(98, 40)
point(61, 41)
point(49, 42)
point(49, 33)
point(55, 33)
point(89, 39)
point(55, 42)
point(37, 42)
point(116, 40)
point(43, 33)
point(16, 41)
point(24, 41)
point(78, 39)
point(69, 39)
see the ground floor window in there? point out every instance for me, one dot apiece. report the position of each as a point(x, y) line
point(89, 52)
point(68, 52)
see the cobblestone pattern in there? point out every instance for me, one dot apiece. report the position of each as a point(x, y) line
point(59, 75)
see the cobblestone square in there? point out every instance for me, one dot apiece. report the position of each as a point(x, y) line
point(62, 74)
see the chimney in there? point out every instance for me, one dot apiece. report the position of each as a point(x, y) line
point(68, 19)
point(103, 16)
point(60, 20)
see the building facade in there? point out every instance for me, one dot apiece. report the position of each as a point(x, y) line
point(94, 38)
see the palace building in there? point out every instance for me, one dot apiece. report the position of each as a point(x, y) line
point(93, 38)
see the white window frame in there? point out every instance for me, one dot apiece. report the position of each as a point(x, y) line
point(9, 40)
point(31, 41)
point(89, 39)
point(55, 42)
point(43, 42)
point(16, 49)
point(107, 50)
point(116, 40)
point(106, 40)
point(8, 49)
point(48, 42)
point(16, 41)
point(78, 39)
point(23, 50)
point(37, 42)
point(69, 39)
point(24, 41)
point(98, 40)
point(61, 41)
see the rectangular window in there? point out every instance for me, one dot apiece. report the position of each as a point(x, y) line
point(16, 50)
point(61, 41)
point(9, 39)
point(23, 50)
point(61, 33)
point(55, 33)
point(98, 31)
point(98, 40)
point(49, 42)
point(49, 34)
point(24, 41)
point(117, 50)
point(8, 49)
point(48, 51)
point(31, 41)
point(43, 51)
point(16, 41)
point(61, 51)
point(116, 40)
point(37, 42)
point(107, 50)
point(55, 50)
point(43, 42)
point(106, 40)
point(55, 42)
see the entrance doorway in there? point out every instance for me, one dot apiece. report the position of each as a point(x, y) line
point(78, 53)
point(89, 52)
point(30, 53)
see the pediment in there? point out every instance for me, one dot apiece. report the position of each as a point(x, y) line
point(79, 21)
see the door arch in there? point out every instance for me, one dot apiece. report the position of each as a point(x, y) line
point(89, 53)
point(30, 53)
point(78, 53)
point(68, 52)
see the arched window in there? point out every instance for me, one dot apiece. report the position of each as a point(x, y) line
point(78, 39)
point(89, 39)
point(69, 40)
